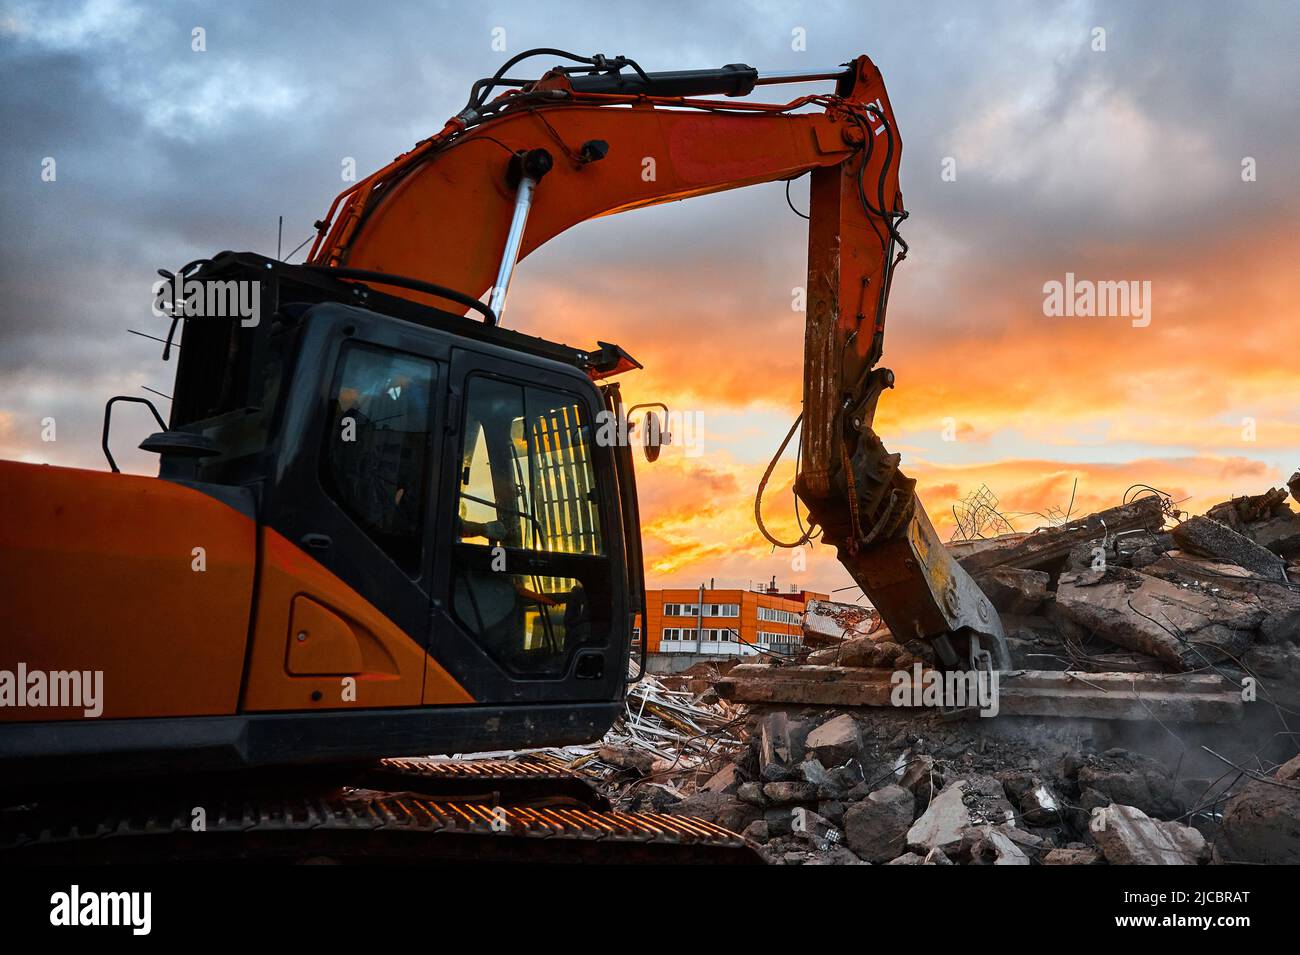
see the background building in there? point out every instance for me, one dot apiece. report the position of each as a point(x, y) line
point(706, 622)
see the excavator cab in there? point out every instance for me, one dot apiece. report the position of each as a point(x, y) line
point(440, 554)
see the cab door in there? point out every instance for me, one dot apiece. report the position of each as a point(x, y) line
point(532, 601)
point(344, 594)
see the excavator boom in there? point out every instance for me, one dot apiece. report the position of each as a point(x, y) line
point(506, 175)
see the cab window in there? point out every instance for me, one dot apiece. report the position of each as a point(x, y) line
point(375, 462)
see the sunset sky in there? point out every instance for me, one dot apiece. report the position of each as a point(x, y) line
point(1117, 164)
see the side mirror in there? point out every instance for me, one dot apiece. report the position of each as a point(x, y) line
point(652, 436)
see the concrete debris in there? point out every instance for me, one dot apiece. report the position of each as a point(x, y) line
point(1205, 536)
point(943, 822)
point(1048, 549)
point(836, 741)
point(779, 742)
point(667, 744)
point(826, 622)
point(1038, 804)
point(992, 846)
point(1148, 720)
point(1128, 836)
point(921, 790)
point(908, 858)
point(1262, 822)
point(790, 793)
point(876, 650)
point(1072, 857)
point(725, 780)
point(876, 828)
point(1182, 628)
point(1120, 776)
point(1203, 698)
point(1015, 589)
point(1243, 511)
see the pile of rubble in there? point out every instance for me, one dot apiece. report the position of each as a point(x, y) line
point(667, 742)
point(1168, 659)
point(1116, 592)
point(821, 787)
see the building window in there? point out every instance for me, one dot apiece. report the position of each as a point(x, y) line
point(722, 610)
point(772, 615)
point(693, 610)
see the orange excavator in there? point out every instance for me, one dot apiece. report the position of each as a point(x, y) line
point(384, 523)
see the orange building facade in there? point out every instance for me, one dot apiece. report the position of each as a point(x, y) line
point(724, 622)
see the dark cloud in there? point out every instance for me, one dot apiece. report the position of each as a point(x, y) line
point(1067, 159)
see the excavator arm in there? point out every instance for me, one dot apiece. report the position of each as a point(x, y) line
point(506, 175)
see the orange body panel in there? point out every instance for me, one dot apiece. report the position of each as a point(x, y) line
point(318, 644)
point(98, 572)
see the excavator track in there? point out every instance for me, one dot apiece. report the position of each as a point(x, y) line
point(546, 822)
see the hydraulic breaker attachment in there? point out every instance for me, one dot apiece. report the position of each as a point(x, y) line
point(885, 540)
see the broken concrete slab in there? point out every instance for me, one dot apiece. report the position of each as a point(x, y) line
point(1168, 697)
point(1203, 535)
point(963, 549)
point(836, 741)
point(1261, 823)
point(1132, 779)
point(876, 828)
point(1128, 836)
point(1171, 697)
point(828, 622)
point(1241, 512)
point(993, 847)
point(725, 780)
point(1072, 857)
point(1281, 535)
point(943, 822)
point(1015, 590)
point(789, 793)
point(1184, 628)
point(1048, 548)
point(781, 743)
point(872, 651)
